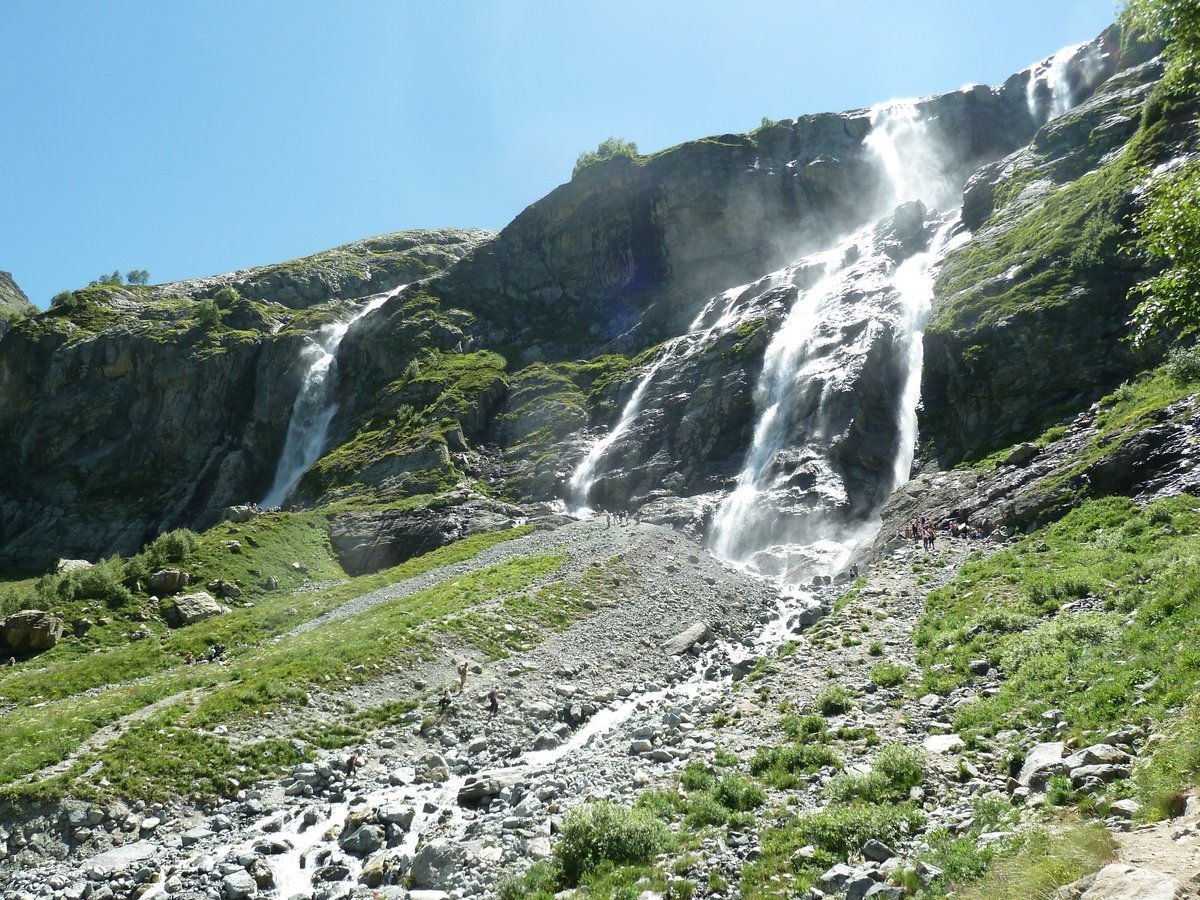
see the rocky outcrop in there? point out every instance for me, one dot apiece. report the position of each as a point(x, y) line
point(372, 540)
point(357, 269)
point(187, 609)
point(1029, 316)
point(13, 302)
point(30, 631)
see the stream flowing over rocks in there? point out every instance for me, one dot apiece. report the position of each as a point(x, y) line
point(448, 804)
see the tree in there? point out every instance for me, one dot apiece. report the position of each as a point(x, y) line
point(1168, 227)
point(609, 147)
point(114, 278)
point(137, 276)
point(208, 314)
point(1175, 21)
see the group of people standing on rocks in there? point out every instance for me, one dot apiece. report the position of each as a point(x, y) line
point(621, 515)
point(923, 529)
point(493, 695)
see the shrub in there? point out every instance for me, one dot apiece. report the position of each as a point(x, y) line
point(804, 728)
point(779, 766)
point(663, 805)
point(542, 879)
point(739, 794)
point(703, 809)
point(597, 833)
point(1183, 365)
point(897, 769)
point(101, 582)
point(696, 777)
point(609, 148)
point(833, 700)
point(889, 674)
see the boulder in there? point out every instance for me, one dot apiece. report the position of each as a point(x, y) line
point(699, 633)
point(238, 886)
point(168, 581)
point(189, 608)
point(240, 514)
point(434, 863)
point(1020, 454)
point(66, 566)
point(1097, 755)
point(363, 840)
point(31, 631)
point(1120, 881)
point(1042, 763)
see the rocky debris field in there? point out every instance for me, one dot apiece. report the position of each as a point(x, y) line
point(685, 661)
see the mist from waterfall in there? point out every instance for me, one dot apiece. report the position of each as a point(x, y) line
point(789, 514)
point(1050, 77)
point(315, 406)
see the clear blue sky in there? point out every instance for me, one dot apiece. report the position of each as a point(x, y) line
point(191, 138)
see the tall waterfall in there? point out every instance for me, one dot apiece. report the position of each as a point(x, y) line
point(791, 512)
point(314, 407)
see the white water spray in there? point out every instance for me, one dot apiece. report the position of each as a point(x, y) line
point(698, 334)
point(1051, 78)
point(314, 407)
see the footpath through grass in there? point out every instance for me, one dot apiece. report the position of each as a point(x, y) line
point(57, 700)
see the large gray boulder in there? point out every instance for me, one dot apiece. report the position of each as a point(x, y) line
point(187, 609)
point(698, 633)
point(168, 581)
point(1042, 763)
point(1120, 881)
point(31, 631)
point(434, 863)
point(66, 566)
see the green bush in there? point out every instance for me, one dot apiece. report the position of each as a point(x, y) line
point(100, 583)
point(739, 794)
point(781, 766)
point(542, 879)
point(168, 549)
point(604, 832)
point(887, 674)
point(609, 148)
point(897, 769)
point(696, 777)
point(1183, 365)
point(834, 699)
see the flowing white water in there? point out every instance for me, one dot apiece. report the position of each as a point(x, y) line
point(789, 514)
point(314, 407)
point(587, 472)
point(1050, 77)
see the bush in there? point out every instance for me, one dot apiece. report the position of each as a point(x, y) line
point(1183, 365)
point(780, 766)
point(168, 549)
point(696, 777)
point(609, 148)
point(897, 769)
point(542, 878)
point(603, 832)
point(889, 674)
point(834, 699)
point(101, 582)
point(739, 794)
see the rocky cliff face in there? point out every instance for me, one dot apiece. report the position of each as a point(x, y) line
point(627, 325)
point(123, 413)
point(1031, 315)
point(13, 302)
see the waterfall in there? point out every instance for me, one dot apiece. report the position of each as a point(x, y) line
point(314, 407)
point(801, 504)
point(587, 472)
point(1048, 92)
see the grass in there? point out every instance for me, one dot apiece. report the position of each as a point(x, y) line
point(1134, 562)
point(1045, 861)
point(63, 696)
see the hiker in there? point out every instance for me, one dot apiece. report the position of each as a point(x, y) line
point(494, 700)
point(354, 763)
point(462, 676)
point(446, 700)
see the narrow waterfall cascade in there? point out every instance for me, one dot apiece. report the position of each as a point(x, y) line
point(314, 407)
point(1049, 93)
point(719, 314)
